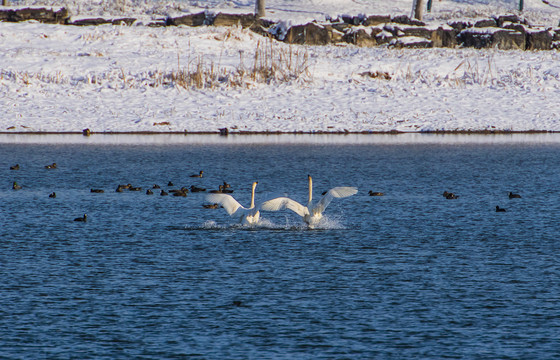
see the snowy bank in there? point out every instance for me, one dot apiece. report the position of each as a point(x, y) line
point(136, 79)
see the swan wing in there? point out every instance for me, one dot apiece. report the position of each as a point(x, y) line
point(284, 203)
point(343, 191)
point(337, 192)
point(226, 201)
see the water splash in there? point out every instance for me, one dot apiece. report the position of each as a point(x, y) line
point(212, 225)
point(327, 223)
point(265, 224)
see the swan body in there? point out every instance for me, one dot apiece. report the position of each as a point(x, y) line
point(311, 214)
point(247, 216)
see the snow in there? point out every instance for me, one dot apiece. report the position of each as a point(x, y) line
point(56, 78)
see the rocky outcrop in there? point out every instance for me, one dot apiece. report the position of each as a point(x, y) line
point(313, 34)
point(504, 32)
point(405, 20)
point(362, 20)
point(89, 22)
point(48, 16)
point(445, 36)
point(5, 15)
point(504, 39)
point(411, 42)
point(556, 39)
point(459, 25)
point(375, 20)
point(198, 19)
point(485, 23)
point(409, 30)
point(243, 20)
point(538, 39)
point(362, 36)
point(511, 18)
point(101, 21)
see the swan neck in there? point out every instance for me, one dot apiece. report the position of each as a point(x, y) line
point(253, 195)
point(310, 190)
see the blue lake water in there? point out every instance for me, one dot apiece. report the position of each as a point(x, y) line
point(406, 275)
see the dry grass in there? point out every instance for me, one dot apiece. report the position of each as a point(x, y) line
point(27, 78)
point(467, 72)
point(271, 63)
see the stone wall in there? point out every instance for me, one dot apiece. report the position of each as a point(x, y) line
point(43, 15)
point(504, 32)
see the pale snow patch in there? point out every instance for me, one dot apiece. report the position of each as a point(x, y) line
point(111, 78)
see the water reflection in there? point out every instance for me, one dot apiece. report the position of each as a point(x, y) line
point(320, 139)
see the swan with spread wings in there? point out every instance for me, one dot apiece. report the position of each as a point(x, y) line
point(311, 214)
point(247, 216)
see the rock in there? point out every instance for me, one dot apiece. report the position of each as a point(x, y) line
point(508, 40)
point(340, 26)
point(90, 22)
point(384, 37)
point(512, 18)
point(417, 31)
point(198, 19)
point(445, 37)
point(485, 23)
point(101, 21)
point(362, 36)
point(515, 26)
point(123, 21)
point(157, 23)
point(556, 35)
point(43, 15)
point(374, 20)
point(459, 25)
point(5, 15)
point(244, 20)
point(538, 39)
point(403, 19)
point(335, 35)
point(410, 42)
point(353, 20)
point(503, 39)
point(262, 27)
point(310, 34)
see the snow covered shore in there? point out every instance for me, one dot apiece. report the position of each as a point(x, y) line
point(56, 78)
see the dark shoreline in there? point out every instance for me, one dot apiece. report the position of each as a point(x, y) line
point(391, 132)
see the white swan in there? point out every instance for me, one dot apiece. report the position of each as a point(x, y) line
point(247, 216)
point(310, 214)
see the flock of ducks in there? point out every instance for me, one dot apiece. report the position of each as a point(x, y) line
point(311, 213)
point(451, 196)
point(225, 187)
